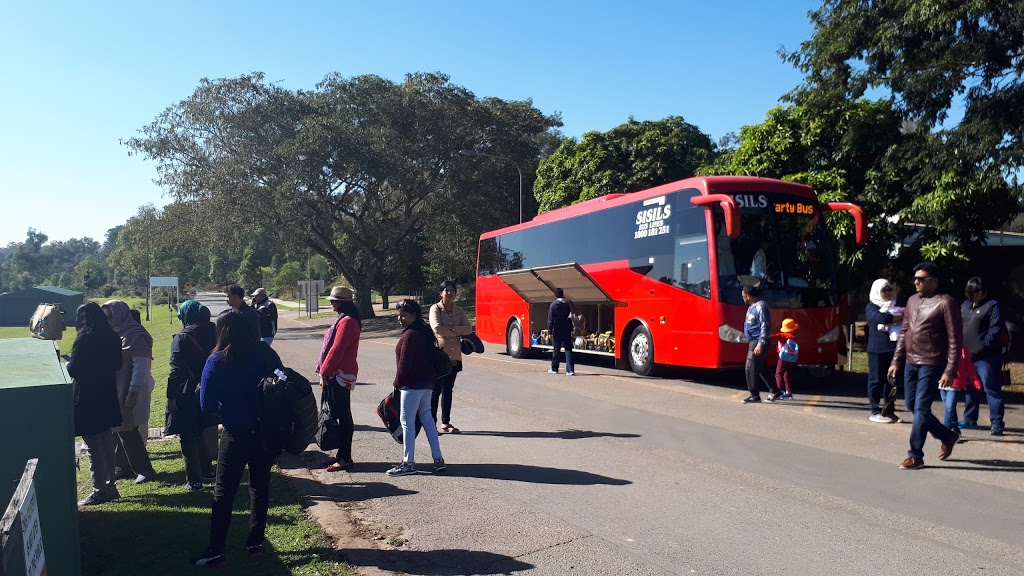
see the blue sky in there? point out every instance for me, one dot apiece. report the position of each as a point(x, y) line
point(79, 76)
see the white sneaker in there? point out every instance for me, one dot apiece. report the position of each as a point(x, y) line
point(550, 371)
point(570, 373)
point(880, 419)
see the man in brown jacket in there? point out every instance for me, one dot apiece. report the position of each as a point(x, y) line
point(930, 341)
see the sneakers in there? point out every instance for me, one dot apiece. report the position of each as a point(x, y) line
point(996, 432)
point(403, 469)
point(947, 448)
point(98, 497)
point(773, 397)
point(911, 463)
point(752, 400)
point(550, 371)
point(197, 487)
point(142, 479)
point(965, 425)
point(882, 419)
point(439, 465)
point(254, 550)
point(208, 558)
point(786, 396)
point(570, 373)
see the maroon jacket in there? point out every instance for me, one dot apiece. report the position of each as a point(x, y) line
point(415, 370)
point(932, 333)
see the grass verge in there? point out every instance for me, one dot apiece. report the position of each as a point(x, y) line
point(155, 527)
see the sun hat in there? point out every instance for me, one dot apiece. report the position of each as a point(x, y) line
point(472, 338)
point(789, 325)
point(341, 294)
point(467, 346)
point(259, 292)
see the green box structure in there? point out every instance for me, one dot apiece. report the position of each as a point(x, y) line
point(37, 421)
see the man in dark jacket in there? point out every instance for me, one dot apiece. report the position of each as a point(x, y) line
point(982, 326)
point(236, 300)
point(930, 341)
point(560, 328)
point(267, 310)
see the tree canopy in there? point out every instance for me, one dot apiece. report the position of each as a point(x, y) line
point(354, 170)
point(630, 157)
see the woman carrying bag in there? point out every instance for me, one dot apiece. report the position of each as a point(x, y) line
point(338, 369)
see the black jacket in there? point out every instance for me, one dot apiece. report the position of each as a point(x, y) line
point(878, 340)
point(268, 318)
point(189, 350)
point(95, 359)
point(981, 328)
point(559, 323)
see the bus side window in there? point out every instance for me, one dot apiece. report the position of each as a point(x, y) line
point(691, 265)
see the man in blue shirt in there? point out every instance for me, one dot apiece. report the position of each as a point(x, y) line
point(755, 328)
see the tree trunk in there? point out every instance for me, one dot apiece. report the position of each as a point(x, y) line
point(363, 301)
point(384, 298)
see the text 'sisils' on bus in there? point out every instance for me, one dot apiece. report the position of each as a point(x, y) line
point(655, 276)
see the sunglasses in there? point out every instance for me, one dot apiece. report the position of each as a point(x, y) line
point(922, 278)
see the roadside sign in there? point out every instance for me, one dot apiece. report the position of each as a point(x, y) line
point(188, 285)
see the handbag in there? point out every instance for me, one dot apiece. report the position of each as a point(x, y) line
point(328, 429)
point(442, 363)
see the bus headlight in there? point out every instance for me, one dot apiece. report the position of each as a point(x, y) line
point(830, 336)
point(730, 334)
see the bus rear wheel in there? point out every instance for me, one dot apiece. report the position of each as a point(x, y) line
point(514, 341)
point(641, 351)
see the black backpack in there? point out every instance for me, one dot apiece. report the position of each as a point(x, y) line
point(288, 414)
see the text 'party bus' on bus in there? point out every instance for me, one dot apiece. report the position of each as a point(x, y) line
point(655, 276)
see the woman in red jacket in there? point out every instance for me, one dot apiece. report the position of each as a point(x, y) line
point(338, 369)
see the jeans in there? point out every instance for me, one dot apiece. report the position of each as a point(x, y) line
point(195, 452)
point(990, 372)
point(417, 403)
point(559, 343)
point(878, 365)
point(101, 459)
point(949, 400)
point(238, 449)
point(756, 370)
point(442, 394)
point(784, 375)
point(130, 453)
point(921, 384)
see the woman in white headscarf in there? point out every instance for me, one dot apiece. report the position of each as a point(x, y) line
point(134, 391)
point(880, 323)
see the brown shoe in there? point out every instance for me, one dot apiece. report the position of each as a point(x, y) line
point(947, 449)
point(911, 463)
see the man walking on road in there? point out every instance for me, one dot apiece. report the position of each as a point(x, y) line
point(756, 329)
point(930, 341)
point(268, 315)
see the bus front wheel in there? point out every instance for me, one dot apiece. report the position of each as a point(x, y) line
point(514, 341)
point(641, 351)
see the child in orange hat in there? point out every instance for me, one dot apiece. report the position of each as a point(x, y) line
point(788, 354)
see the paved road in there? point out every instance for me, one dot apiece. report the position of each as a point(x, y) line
point(610, 473)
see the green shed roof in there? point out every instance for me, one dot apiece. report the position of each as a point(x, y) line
point(56, 290)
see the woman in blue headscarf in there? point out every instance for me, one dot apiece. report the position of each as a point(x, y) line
point(189, 350)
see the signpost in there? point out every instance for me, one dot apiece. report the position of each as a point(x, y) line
point(309, 291)
point(167, 281)
point(19, 528)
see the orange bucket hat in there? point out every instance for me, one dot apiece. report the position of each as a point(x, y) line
point(789, 325)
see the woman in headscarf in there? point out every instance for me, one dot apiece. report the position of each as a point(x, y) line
point(882, 331)
point(338, 370)
point(95, 358)
point(189, 350)
point(134, 391)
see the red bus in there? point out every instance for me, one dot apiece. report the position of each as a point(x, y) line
point(655, 276)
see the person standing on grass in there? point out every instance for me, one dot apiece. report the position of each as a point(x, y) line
point(560, 327)
point(415, 379)
point(450, 323)
point(134, 392)
point(755, 329)
point(189, 350)
point(94, 361)
point(929, 341)
point(881, 345)
point(231, 383)
point(267, 311)
point(338, 370)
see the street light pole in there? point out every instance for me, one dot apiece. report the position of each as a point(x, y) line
point(475, 153)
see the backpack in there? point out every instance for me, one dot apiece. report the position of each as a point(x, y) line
point(390, 411)
point(288, 412)
point(1003, 338)
point(47, 323)
point(790, 351)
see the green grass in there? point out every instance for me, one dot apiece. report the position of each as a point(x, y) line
point(155, 527)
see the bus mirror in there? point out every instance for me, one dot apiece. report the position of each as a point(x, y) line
point(732, 212)
point(858, 218)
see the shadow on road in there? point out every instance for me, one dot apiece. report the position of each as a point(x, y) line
point(437, 562)
point(560, 434)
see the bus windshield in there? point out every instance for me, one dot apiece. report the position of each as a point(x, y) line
point(784, 248)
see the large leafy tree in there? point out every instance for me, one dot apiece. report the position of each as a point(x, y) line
point(352, 170)
point(627, 158)
point(934, 60)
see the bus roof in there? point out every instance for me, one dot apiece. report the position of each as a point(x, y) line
point(706, 184)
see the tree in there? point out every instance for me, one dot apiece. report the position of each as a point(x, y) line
point(352, 170)
point(248, 274)
point(627, 158)
point(288, 278)
point(932, 59)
